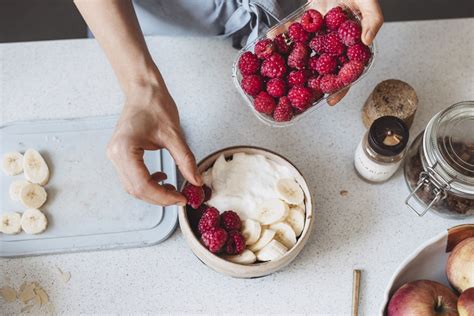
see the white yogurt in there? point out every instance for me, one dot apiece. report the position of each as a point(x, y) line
point(243, 183)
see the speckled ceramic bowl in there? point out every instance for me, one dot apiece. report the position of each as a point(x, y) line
point(258, 269)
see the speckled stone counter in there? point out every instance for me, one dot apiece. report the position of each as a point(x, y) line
point(370, 228)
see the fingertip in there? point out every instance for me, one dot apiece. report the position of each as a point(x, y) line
point(368, 37)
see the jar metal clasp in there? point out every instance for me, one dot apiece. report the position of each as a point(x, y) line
point(440, 188)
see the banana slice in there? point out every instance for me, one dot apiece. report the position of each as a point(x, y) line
point(12, 163)
point(10, 223)
point(33, 195)
point(251, 231)
point(290, 191)
point(15, 188)
point(272, 251)
point(284, 234)
point(272, 211)
point(36, 169)
point(33, 221)
point(296, 219)
point(265, 237)
point(246, 257)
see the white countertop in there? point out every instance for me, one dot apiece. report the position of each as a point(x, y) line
point(370, 229)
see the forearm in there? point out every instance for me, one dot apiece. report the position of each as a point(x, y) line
point(115, 26)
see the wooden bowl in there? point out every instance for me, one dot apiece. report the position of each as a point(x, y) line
point(257, 269)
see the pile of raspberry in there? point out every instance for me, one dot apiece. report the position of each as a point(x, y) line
point(316, 56)
point(220, 233)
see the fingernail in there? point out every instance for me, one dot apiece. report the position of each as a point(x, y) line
point(368, 37)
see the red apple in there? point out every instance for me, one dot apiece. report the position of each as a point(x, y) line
point(460, 266)
point(423, 297)
point(466, 303)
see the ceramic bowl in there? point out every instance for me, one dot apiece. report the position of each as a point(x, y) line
point(257, 269)
point(427, 262)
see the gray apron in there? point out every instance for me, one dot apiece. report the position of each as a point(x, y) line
point(243, 20)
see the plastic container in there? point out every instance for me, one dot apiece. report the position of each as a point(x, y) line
point(281, 27)
point(439, 166)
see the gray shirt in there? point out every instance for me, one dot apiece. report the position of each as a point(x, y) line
point(242, 20)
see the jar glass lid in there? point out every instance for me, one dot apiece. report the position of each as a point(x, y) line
point(449, 146)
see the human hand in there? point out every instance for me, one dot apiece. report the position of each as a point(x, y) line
point(372, 20)
point(150, 121)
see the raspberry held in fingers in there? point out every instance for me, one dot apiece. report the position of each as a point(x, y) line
point(194, 195)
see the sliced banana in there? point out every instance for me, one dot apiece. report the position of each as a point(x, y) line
point(33, 221)
point(265, 237)
point(15, 188)
point(284, 234)
point(12, 163)
point(36, 169)
point(246, 257)
point(33, 195)
point(296, 219)
point(251, 231)
point(290, 191)
point(10, 223)
point(272, 251)
point(272, 211)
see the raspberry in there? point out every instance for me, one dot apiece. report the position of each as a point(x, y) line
point(342, 59)
point(264, 48)
point(264, 103)
point(194, 216)
point(330, 83)
point(214, 239)
point(312, 21)
point(359, 52)
point(299, 56)
point(334, 18)
point(333, 45)
point(273, 66)
point(300, 97)
point(282, 43)
point(350, 72)
point(349, 32)
point(318, 43)
point(283, 111)
point(297, 33)
point(314, 83)
point(252, 84)
point(326, 64)
point(297, 78)
point(207, 193)
point(312, 62)
point(235, 243)
point(209, 219)
point(194, 195)
point(248, 63)
point(276, 87)
point(230, 221)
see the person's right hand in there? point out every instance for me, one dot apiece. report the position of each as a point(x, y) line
point(150, 121)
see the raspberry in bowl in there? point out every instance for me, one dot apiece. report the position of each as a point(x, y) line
point(313, 53)
point(255, 218)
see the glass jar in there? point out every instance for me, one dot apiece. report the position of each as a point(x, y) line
point(439, 166)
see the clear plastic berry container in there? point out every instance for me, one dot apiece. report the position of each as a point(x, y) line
point(323, 7)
